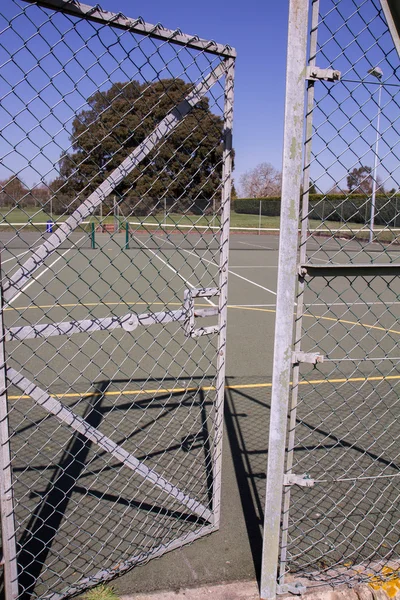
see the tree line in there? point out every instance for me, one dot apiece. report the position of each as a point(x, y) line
point(265, 181)
point(184, 171)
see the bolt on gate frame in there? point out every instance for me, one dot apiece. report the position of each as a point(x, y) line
point(331, 512)
point(113, 358)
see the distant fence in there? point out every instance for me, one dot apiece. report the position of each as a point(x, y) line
point(330, 207)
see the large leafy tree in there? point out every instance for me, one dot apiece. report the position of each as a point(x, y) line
point(186, 168)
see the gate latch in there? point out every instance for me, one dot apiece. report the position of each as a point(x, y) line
point(301, 480)
point(189, 324)
point(315, 74)
point(291, 588)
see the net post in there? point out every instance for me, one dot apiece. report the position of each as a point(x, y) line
point(127, 235)
point(6, 487)
point(93, 236)
point(287, 277)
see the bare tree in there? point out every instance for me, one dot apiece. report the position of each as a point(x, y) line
point(262, 181)
point(12, 191)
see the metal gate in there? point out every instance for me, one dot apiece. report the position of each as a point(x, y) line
point(331, 513)
point(114, 291)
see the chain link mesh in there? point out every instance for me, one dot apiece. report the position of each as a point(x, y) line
point(343, 426)
point(116, 155)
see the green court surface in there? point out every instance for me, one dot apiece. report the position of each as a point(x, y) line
point(345, 321)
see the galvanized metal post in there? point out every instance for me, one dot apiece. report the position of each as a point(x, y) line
point(287, 278)
point(223, 285)
point(300, 286)
point(6, 489)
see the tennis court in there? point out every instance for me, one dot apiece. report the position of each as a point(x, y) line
point(146, 389)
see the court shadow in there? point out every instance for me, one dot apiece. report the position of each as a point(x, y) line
point(326, 439)
point(246, 421)
point(86, 492)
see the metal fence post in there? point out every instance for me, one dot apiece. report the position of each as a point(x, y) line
point(6, 489)
point(287, 270)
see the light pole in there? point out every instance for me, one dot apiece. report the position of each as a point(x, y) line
point(378, 73)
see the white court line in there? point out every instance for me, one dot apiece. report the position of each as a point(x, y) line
point(258, 246)
point(171, 268)
point(3, 262)
point(210, 262)
point(255, 305)
point(327, 304)
point(324, 260)
point(36, 278)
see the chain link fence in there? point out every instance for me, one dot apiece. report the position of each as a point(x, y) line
point(339, 470)
point(113, 346)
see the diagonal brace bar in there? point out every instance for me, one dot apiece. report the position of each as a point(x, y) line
point(168, 124)
point(77, 423)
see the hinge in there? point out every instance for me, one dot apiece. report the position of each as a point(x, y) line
point(291, 588)
point(316, 74)
point(301, 480)
point(307, 357)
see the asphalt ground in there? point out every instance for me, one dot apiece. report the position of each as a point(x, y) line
point(345, 422)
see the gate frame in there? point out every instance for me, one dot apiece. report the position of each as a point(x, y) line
point(15, 283)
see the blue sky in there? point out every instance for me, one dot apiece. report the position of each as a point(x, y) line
point(50, 77)
point(256, 29)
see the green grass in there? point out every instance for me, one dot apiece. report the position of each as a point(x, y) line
point(30, 217)
point(101, 592)
point(23, 215)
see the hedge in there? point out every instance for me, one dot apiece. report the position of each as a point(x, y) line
point(354, 208)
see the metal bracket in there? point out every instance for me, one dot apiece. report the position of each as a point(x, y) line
point(307, 357)
point(291, 588)
point(192, 312)
point(301, 480)
point(317, 74)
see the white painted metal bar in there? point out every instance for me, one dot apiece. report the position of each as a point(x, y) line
point(77, 423)
point(9, 546)
point(168, 124)
point(127, 322)
point(223, 290)
point(188, 304)
point(287, 278)
point(119, 21)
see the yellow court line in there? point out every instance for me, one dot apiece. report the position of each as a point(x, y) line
point(239, 386)
point(320, 318)
point(236, 306)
